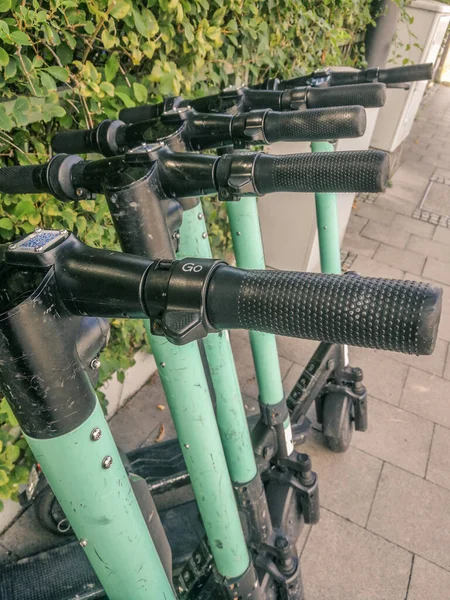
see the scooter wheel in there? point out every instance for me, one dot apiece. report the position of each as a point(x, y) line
point(50, 513)
point(337, 421)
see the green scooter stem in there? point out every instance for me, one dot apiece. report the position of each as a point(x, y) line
point(231, 419)
point(249, 252)
point(327, 223)
point(184, 382)
point(101, 507)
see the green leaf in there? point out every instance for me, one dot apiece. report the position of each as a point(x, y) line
point(11, 453)
point(23, 207)
point(6, 123)
point(20, 38)
point(119, 8)
point(3, 477)
point(111, 67)
point(140, 92)
point(109, 41)
point(47, 81)
point(10, 70)
point(59, 73)
point(6, 223)
point(65, 54)
point(108, 88)
point(4, 58)
point(5, 5)
point(19, 474)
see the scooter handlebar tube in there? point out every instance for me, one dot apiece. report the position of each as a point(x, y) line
point(421, 72)
point(192, 297)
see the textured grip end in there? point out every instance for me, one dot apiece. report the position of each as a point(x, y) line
point(71, 142)
point(428, 328)
point(20, 180)
point(369, 95)
point(421, 72)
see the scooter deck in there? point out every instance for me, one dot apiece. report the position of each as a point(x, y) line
point(64, 573)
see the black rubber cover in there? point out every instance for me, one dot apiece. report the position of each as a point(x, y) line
point(73, 142)
point(22, 180)
point(354, 171)
point(388, 314)
point(141, 113)
point(407, 73)
point(315, 124)
point(369, 95)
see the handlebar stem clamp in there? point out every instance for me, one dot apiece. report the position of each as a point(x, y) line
point(235, 177)
point(178, 309)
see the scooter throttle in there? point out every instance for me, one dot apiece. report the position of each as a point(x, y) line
point(315, 124)
point(387, 314)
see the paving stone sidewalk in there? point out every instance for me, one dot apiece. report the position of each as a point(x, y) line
point(384, 532)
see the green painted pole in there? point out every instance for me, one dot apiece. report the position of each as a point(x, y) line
point(231, 419)
point(100, 505)
point(249, 252)
point(184, 382)
point(327, 223)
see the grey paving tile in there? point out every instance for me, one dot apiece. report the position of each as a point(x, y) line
point(384, 378)
point(27, 537)
point(396, 436)
point(355, 223)
point(372, 268)
point(296, 350)
point(411, 179)
point(399, 205)
point(386, 234)
point(433, 363)
point(359, 244)
point(347, 481)
point(402, 259)
point(428, 396)
point(437, 270)
point(442, 235)
point(139, 421)
point(413, 513)
point(428, 248)
point(342, 561)
point(304, 535)
point(414, 226)
point(428, 581)
point(374, 213)
point(439, 464)
point(447, 366)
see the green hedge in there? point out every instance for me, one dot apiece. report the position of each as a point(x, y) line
point(107, 54)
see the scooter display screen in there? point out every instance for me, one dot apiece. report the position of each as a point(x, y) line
point(39, 241)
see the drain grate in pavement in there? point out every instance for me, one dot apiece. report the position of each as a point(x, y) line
point(435, 204)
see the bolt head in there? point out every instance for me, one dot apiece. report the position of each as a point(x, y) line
point(12, 246)
point(107, 462)
point(200, 216)
point(83, 543)
point(204, 235)
point(79, 192)
point(162, 365)
point(95, 363)
point(96, 434)
point(281, 543)
point(39, 249)
point(38, 229)
point(238, 233)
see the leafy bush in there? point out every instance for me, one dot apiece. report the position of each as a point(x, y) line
point(67, 64)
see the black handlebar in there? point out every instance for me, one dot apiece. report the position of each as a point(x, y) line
point(183, 174)
point(187, 299)
point(369, 95)
point(203, 131)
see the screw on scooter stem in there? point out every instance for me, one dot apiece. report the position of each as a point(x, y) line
point(189, 298)
point(328, 77)
point(184, 174)
point(198, 131)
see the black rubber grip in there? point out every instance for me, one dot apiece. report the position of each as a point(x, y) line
point(21, 180)
point(354, 171)
point(73, 142)
point(315, 124)
point(407, 73)
point(369, 95)
point(141, 113)
point(387, 314)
